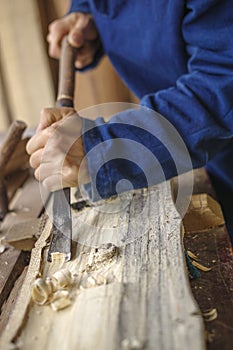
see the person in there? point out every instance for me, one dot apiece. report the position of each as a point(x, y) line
point(177, 57)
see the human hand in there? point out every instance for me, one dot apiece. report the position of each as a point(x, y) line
point(56, 150)
point(82, 34)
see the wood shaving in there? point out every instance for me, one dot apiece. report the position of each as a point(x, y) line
point(2, 245)
point(210, 315)
point(91, 281)
point(41, 291)
point(49, 290)
point(132, 344)
point(61, 300)
point(201, 267)
point(192, 255)
point(62, 278)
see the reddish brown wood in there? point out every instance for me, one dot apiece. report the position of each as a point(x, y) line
point(214, 289)
point(66, 75)
point(12, 139)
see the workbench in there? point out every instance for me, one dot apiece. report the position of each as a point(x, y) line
point(132, 293)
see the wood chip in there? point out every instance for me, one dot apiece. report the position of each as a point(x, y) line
point(61, 300)
point(201, 267)
point(192, 255)
point(2, 244)
point(210, 315)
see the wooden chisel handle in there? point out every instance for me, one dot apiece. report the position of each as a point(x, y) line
point(66, 75)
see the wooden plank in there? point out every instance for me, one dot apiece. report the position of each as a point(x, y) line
point(27, 204)
point(9, 304)
point(137, 297)
point(24, 59)
point(21, 304)
point(12, 263)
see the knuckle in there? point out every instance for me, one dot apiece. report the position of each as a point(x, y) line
point(44, 111)
point(54, 26)
point(31, 162)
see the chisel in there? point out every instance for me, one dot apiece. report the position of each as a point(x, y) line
point(61, 209)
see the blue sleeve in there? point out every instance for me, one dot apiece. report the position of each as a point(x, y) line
point(199, 106)
point(79, 6)
point(83, 6)
point(137, 148)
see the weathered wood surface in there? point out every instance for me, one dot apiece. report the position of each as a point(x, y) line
point(144, 300)
point(10, 302)
point(25, 205)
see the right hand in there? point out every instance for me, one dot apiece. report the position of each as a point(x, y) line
point(56, 150)
point(82, 33)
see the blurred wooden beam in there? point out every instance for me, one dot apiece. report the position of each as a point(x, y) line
point(24, 60)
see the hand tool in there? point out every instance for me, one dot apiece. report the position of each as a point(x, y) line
point(12, 139)
point(62, 221)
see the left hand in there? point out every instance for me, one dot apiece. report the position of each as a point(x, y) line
point(56, 150)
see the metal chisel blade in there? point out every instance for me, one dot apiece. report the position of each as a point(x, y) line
point(62, 225)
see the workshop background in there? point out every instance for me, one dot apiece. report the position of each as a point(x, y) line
point(28, 77)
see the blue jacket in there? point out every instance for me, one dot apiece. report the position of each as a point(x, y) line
point(177, 57)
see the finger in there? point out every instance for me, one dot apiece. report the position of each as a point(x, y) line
point(84, 29)
point(36, 158)
point(84, 62)
point(86, 54)
point(52, 183)
point(56, 178)
point(39, 140)
point(47, 169)
point(50, 116)
point(57, 30)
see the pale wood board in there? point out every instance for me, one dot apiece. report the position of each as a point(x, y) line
point(147, 300)
point(5, 112)
point(24, 60)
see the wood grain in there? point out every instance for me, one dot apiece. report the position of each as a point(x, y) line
point(26, 204)
point(146, 303)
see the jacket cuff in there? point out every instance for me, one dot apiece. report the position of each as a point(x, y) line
point(79, 6)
